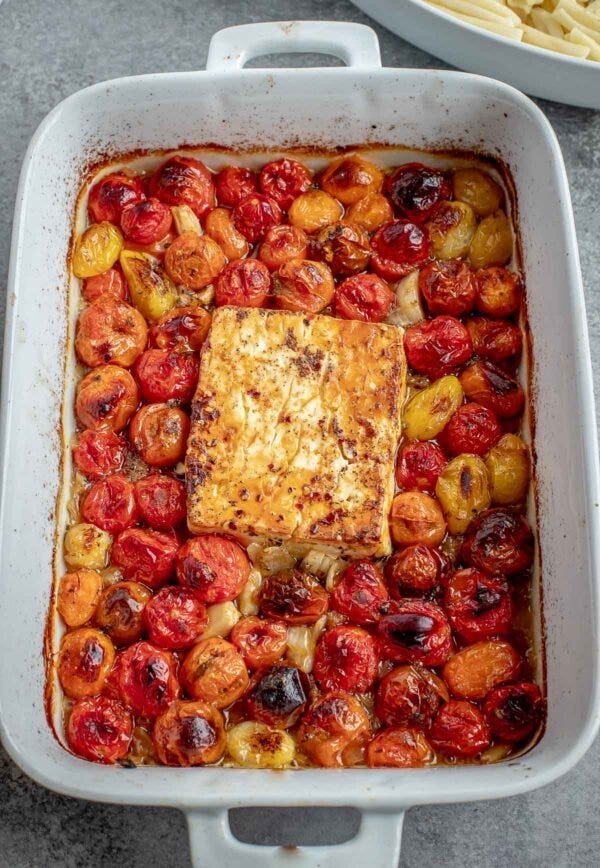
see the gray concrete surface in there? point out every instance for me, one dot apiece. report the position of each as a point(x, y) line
point(51, 48)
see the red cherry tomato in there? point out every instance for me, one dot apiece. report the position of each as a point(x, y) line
point(111, 194)
point(473, 429)
point(278, 695)
point(110, 504)
point(364, 297)
point(99, 729)
point(244, 283)
point(283, 180)
point(233, 184)
point(498, 541)
point(498, 291)
point(514, 711)
point(437, 346)
point(184, 181)
point(415, 632)
point(460, 730)
point(409, 696)
point(145, 679)
point(146, 556)
point(109, 283)
point(255, 215)
point(165, 375)
point(174, 618)
point(99, 453)
point(415, 190)
point(160, 500)
point(399, 247)
point(495, 339)
point(146, 222)
point(282, 243)
point(346, 658)
point(183, 329)
point(214, 567)
point(418, 465)
point(260, 642)
point(415, 570)
point(490, 386)
point(478, 605)
point(360, 593)
point(448, 286)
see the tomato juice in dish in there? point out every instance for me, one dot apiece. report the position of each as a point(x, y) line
point(298, 532)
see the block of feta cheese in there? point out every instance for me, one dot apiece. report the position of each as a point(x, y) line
point(295, 425)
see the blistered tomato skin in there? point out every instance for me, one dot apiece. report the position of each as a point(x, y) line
point(189, 734)
point(491, 387)
point(194, 260)
point(313, 210)
point(415, 190)
point(360, 593)
point(334, 724)
point(77, 597)
point(514, 711)
point(416, 518)
point(234, 183)
point(498, 541)
point(475, 670)
point(409, 696)
point(282, 243)
point(214, 567)
point(418, 465)
point(99, 453)
point(146, 222)
point(303, 285)
point(255, 215)
point(110, 332)
point(349, 179)
point(108, 283)
point(218, 224)
point(99, 729)
point(414, 570)
point(499, 291)
point(146, 556)
point(183, 329)
point(293, 597)
point(110, 504)
point(159, 434)
point(166, 375)
point(472, 428)
point(438, 346)
point(364, 297)
point(344, 247)
point(174, 618)
point(119, 611)
point(278, 695)
point(399, 247)
point(346, 658)
point(246, 283)
point(106, 399)
point(214, 672)
point(145, 679)
point(448, 287)
point(260, 642)
point(160, 500)
point(370, 212)
point(460, 730)
point(284, 180)
point(494, 339)
point(478, 605)
point(184, 181)
point(415, 632)
point(109, 195)
point(400, 748)
point(85, 659)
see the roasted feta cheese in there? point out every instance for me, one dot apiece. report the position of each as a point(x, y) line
point(295, 424)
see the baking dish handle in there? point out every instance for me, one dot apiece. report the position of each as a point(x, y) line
point(213, 845)
point(356, 44)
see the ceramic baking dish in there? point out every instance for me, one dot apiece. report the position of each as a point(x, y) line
point(278, 109)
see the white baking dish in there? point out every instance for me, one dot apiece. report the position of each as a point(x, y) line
point(275, 109)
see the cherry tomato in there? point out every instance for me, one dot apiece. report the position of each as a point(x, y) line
point(346, 658)
point(159, 434)
point(194, 260)
point(409, 696)
point(473, 429)
point(174, 618)
point(214, 672)
point(332, 728)
point(110, 332)
point(448, 287)
point(214, 567)
point(360, 593)
point(183, 329)
point(415, 632)
point(495, 339)
point(145, 678)
point(399, 247)
point(294, 597)
point(303, 285)
point(245, 283)
point(283, 180)
point(282, 243)
point(436, 347)
point(99, 729)
point(499, 291)
point(415, 570)
point(350, 178)
point(514, 711)
point(233, 184)
point(472, 672)
point(254, 215)
point(160, 500)
point(259, 642)
point(108, 283)
point(99, 453)
point(418, 465)
point(85, 659)
point(110, 504)
point(415, 190)
point(189, 734)
point(278, 695)
point(498, 541)
point(119, 611)
point(344, 247)
point(111, 194)
point(491, 387)
point(166, 375)
point(478, 605)
point(184, 181)
point(364, 297)
point(416, 518)
point(77, 597)
point(106, 399)
point(146, 222)
point(399, 748)
point(460, 730)
point(146, 556)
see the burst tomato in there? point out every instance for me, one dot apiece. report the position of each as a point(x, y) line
point(214, 567)
point(166, 375)
point(472, 429)
point(110, 332)
point(418, 465)
point(436, 347)
point(174, 618)
point(278, 695)
point(119, 611)
point(346, 658)
point(245, 283)
point(146, 222)
point(460, 730)
point(110, 504)
point(254, 215)
point(448, 287)
point(409, 696)
point(415, 570)
point(334, 726)
point(183, 329)
point(303, 286)
point(494, 339)
point(360, 594)
point(146, 556)
point(415, 632)
point(478, 605)
point(415, 190)
point(99, 453)
point(99, 729)
point(160, 500)
point(364, 297)
point(260, 642)
point(491, 387)
point(145, 679)
point(184, 181)
point(108, 283)
point(399, 748)
point(111, 194)
point(399, 247)
point(159, 434)
point(233, 184)
point(189, 734)
point(514, 711)
point(214, 672)
point(284, 180)
point(282, 243)
point(293, 597)
point(498, 541)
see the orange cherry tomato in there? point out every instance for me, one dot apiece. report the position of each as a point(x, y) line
point(214, 672)
point(110, 332)
point(194, 260)
point(260, 642)
point(303, 285)
point(78, 594)
point(119, 611)
point(399, 748)
point(475, 670)
point(108, 283)
point(183, 329)
point(106, 399)
point(335, 724)
point(363, 297)
point(85, 659)
point(282, 243)
point(189, 734)
point(159, 434)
